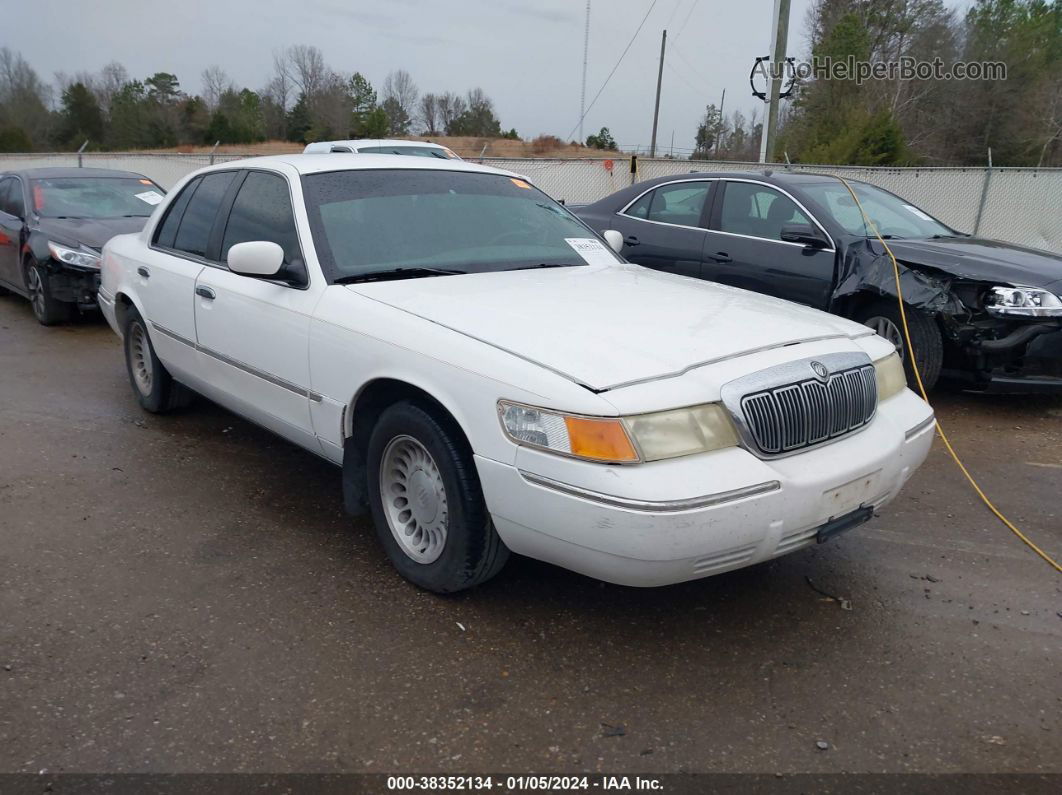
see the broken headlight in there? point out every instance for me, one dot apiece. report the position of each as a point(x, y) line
point(1023, 302)
point(72, 256)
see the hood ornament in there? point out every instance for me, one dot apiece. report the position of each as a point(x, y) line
point(821, 371)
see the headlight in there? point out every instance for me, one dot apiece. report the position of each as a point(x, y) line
point(890, 376)
point(1023, 302)
point(641, 437)
point(71, 256)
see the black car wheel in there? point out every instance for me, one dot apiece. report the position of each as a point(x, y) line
point(46, 308)
point(152, 383)
point(427, 504)
point(884, 318)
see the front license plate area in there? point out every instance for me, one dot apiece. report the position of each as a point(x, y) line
point(846, 498)
point(843, 523)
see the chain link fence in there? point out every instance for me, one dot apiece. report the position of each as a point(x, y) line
point(1018, 205)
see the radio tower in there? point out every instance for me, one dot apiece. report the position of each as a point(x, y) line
point(586, 49)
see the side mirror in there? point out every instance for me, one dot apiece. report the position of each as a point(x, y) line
point(614, 238)
point(804, 234)
point(256, 258)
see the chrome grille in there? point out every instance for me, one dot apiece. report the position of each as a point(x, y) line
point(797, 415)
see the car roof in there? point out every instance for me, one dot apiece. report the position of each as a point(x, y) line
point(380, 142)
point(342, 161)
point(72, 172)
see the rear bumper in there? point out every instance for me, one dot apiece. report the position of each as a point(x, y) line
point(634, 525)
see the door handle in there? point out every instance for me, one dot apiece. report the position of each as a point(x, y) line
point(631, 240)
point(721, 256)
point(144, 272)
point(205, 292)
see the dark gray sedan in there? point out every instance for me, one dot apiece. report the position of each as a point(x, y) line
point(53, 224)
point(982, 313)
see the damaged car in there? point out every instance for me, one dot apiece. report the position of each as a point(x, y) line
point(982, 314)
point(53, 225)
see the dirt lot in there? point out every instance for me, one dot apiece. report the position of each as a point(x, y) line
point(184, 594)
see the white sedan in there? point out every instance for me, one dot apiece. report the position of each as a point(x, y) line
point(493, 378)
point(381, 146)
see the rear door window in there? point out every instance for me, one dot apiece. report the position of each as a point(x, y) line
point(167, 233)
point(193, 235)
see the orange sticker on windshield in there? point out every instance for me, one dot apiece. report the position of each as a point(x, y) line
point(146, 182)
point(520, 183)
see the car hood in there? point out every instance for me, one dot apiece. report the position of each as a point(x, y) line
point(608, 326)
point(981, 259)
point(91, 232)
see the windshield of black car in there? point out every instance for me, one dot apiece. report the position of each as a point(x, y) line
point(372, 220)
point(95, 197)
point(892, 216)
point(415, 151)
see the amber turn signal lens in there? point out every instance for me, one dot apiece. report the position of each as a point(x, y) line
point(600, 440)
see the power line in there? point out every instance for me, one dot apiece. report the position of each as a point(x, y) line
point(614, 68)
point(687, 19)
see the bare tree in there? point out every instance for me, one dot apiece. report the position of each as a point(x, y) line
point(306, 68)
point(429, 114)
point(215, 83)
point(399, 87)
point(451, 106)
point(112, 77)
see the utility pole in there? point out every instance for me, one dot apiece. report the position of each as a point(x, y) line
point(779, 37)
point(586, 51)
point(659, 80)
point(720, 127)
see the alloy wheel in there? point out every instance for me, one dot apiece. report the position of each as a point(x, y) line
point(889, 330)
point(36, 291)
point(414, 499)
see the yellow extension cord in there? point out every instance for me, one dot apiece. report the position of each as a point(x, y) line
point(921, 388)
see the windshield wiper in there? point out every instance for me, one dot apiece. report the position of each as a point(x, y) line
point(546, 265)
point(396, 273)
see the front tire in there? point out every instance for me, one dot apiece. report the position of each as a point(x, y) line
point(427, 503)
point(154, 387)
point(48, 310)
point(884, 318)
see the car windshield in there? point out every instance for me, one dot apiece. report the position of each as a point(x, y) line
point(95, 197)
point(374, 221)
point(415, 151)
point(892, 216)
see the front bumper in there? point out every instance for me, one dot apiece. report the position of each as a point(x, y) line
point(634, 525)
point(107, 308)
point(1032, 366)
point(73, 285)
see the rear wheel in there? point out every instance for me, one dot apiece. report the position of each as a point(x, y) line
point(884, 317)
point(152, 383)
point(427, 504)
point(47, 309)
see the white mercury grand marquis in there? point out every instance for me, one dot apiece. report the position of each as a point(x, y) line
point(493, 378)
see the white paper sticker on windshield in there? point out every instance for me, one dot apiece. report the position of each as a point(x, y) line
point(916, 211)
point(593, 251)
point(149, 196)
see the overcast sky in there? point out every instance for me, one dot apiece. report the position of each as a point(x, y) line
point(526, 54)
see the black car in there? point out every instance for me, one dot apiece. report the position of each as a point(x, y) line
point(53, 224)
point(981, 313)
